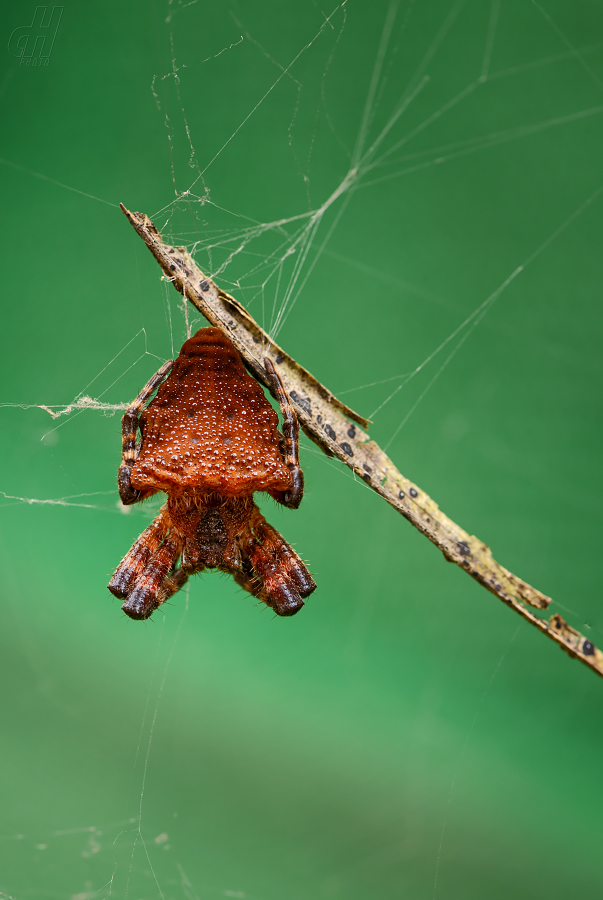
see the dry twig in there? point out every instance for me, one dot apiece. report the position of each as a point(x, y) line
point(340, 432)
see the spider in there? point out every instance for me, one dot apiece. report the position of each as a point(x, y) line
point(209, 440)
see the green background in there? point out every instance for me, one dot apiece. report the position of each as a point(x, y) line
point(405, 735)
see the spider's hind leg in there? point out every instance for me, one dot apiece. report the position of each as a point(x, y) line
point(290, 440)
point(272, 570)
point(129, 428)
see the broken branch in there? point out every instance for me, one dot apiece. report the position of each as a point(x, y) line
point(341, 432)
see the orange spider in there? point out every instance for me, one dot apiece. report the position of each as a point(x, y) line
point(210, 439)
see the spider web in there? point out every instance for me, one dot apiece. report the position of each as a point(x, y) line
point(421, 105)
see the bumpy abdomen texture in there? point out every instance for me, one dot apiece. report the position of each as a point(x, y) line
point(210, 426)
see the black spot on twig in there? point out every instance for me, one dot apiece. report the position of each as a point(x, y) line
point(588, 648)
point(352, 432)
point(304, 402)
point(330, 432)
point(464, 548)
point(346, 448)
point(204, 285)
point(413, 492)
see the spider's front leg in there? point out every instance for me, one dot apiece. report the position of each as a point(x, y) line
point(134, 562)
point(293, 497)
point(176, 580)
point(146, 576)
point(154, 585)
point(271, 570)
point(129, 429)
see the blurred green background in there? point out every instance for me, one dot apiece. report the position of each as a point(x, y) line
point(405, 735)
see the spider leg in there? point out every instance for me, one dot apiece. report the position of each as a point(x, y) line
point(293, 497)
point(271, 569)
point(129, 428)
point(147, 593)
point(135, 560)
point(173, 583)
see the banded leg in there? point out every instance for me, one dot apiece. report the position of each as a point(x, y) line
point(129, 429)
point(146, 595)
point(272, 570)
point(248, 580)
point(135, 560)
point(293, 497)
point(173, 583)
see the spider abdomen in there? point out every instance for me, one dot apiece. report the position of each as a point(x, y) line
point(210, 426)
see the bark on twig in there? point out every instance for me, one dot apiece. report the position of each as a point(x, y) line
point(341, 432)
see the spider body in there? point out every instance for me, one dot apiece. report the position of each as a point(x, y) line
point(210, 440)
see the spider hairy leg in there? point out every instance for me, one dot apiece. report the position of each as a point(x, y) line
point(277, 575)
point(293, 497)
point(147, 593)
point(172, 584)
point(285, 557)
point(129, 429)
point(132, 565)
